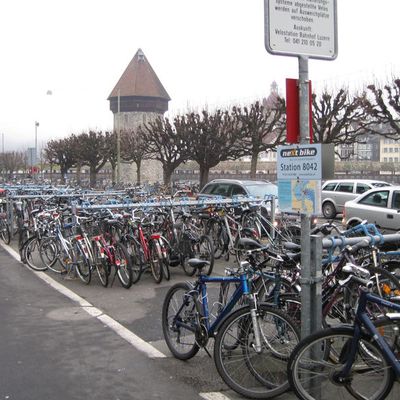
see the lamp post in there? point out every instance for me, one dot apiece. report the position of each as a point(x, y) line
point(118, 140)
point(36, 126)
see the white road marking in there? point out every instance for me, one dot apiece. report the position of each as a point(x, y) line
point(119, 329)
point(214, 396)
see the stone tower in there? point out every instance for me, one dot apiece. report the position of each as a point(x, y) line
point(142, 98)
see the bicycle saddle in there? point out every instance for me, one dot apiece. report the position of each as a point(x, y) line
point(197, 263)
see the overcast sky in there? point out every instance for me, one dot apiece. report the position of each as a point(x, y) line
point(205, 52)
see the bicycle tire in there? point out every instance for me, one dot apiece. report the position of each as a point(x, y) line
point(65, 258)
point(101, 265)
point(255, 375)
point(219, 238)
point(31, 254)
point(205, 251)
point(390, 285)
point(187, 252)
point(318, 356)
point(165, 269)
point(392, 266)
point(133, 249)
point(252, 220)
point(240, 251)
point(82, 264)
point(5, 232)
point(180, 341)
point(49, 251)
point(155, 263)
point(123, 265)
point(389, 328)
point(201, 248)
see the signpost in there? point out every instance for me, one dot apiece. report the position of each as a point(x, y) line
point(305, 29)
point(299, 170)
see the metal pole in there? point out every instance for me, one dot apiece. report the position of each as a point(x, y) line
point(36, 126)
point(118, 139)
point(310, 264)
point(2, 153)
point(304, 100)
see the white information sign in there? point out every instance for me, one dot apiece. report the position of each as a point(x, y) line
point(299, 170)
point(299, 162)
point(304, 27)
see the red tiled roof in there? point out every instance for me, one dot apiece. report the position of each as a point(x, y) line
point(139, 79)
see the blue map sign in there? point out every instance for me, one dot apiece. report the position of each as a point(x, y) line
point(299, 170)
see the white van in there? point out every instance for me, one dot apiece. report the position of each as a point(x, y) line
point(336, 192)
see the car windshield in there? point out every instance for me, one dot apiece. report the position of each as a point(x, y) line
point(262, 190)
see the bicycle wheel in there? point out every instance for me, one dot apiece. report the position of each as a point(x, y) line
point(49, 251)
point(240, 251)
point(386, 284)
point(123, 265)
point(102, 265)
point(133, 249)
point(82, 264)
point(31, 254)
point(392, 266)
point(251, 374)
point(5, 232)
point(165, 269)
point(201, 248)
point(65, 258)
point(219, 239)
point(389, 328)
point(316, 359)
point(204, 250)
point(180, 321)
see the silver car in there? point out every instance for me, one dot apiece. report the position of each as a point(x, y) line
point(336, 192)
point(380, 206)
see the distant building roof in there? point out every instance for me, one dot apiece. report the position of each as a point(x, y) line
point(271, 100)
point(139, 79)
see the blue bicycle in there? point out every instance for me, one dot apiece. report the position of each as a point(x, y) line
point(360, 361)
point(252, 342)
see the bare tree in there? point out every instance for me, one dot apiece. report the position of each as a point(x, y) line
point(211, 138)
point(63, 153)
point(111, 143)
point(165, 144)
point(339, 119)
point(92, 152)
point(263, 128)
point(383, 105)
point(134, 149)
point(12, 161)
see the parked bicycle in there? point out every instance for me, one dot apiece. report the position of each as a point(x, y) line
point(252, 343)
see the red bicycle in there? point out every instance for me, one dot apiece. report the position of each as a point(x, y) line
point(147, 249)
point(109, 252)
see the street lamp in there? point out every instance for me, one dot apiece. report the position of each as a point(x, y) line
point(36, 126)
point(119, 139)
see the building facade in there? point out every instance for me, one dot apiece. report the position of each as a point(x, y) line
point(138, 98)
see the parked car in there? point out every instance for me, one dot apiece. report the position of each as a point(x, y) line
point(227, 188)
point(234, 187)
point(380, 206)
point(336, 192)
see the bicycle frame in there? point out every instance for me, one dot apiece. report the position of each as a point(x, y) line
point(201, 288)
point(362, 320)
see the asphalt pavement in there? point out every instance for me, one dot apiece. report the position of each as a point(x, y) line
point(51, 348)
point(57, 346)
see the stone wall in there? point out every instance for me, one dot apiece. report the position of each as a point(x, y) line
point(151, 170)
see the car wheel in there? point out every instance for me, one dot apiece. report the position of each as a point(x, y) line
point(329, 210)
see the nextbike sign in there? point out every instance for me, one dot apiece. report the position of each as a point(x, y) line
point(299, 162)
point(301, 28)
